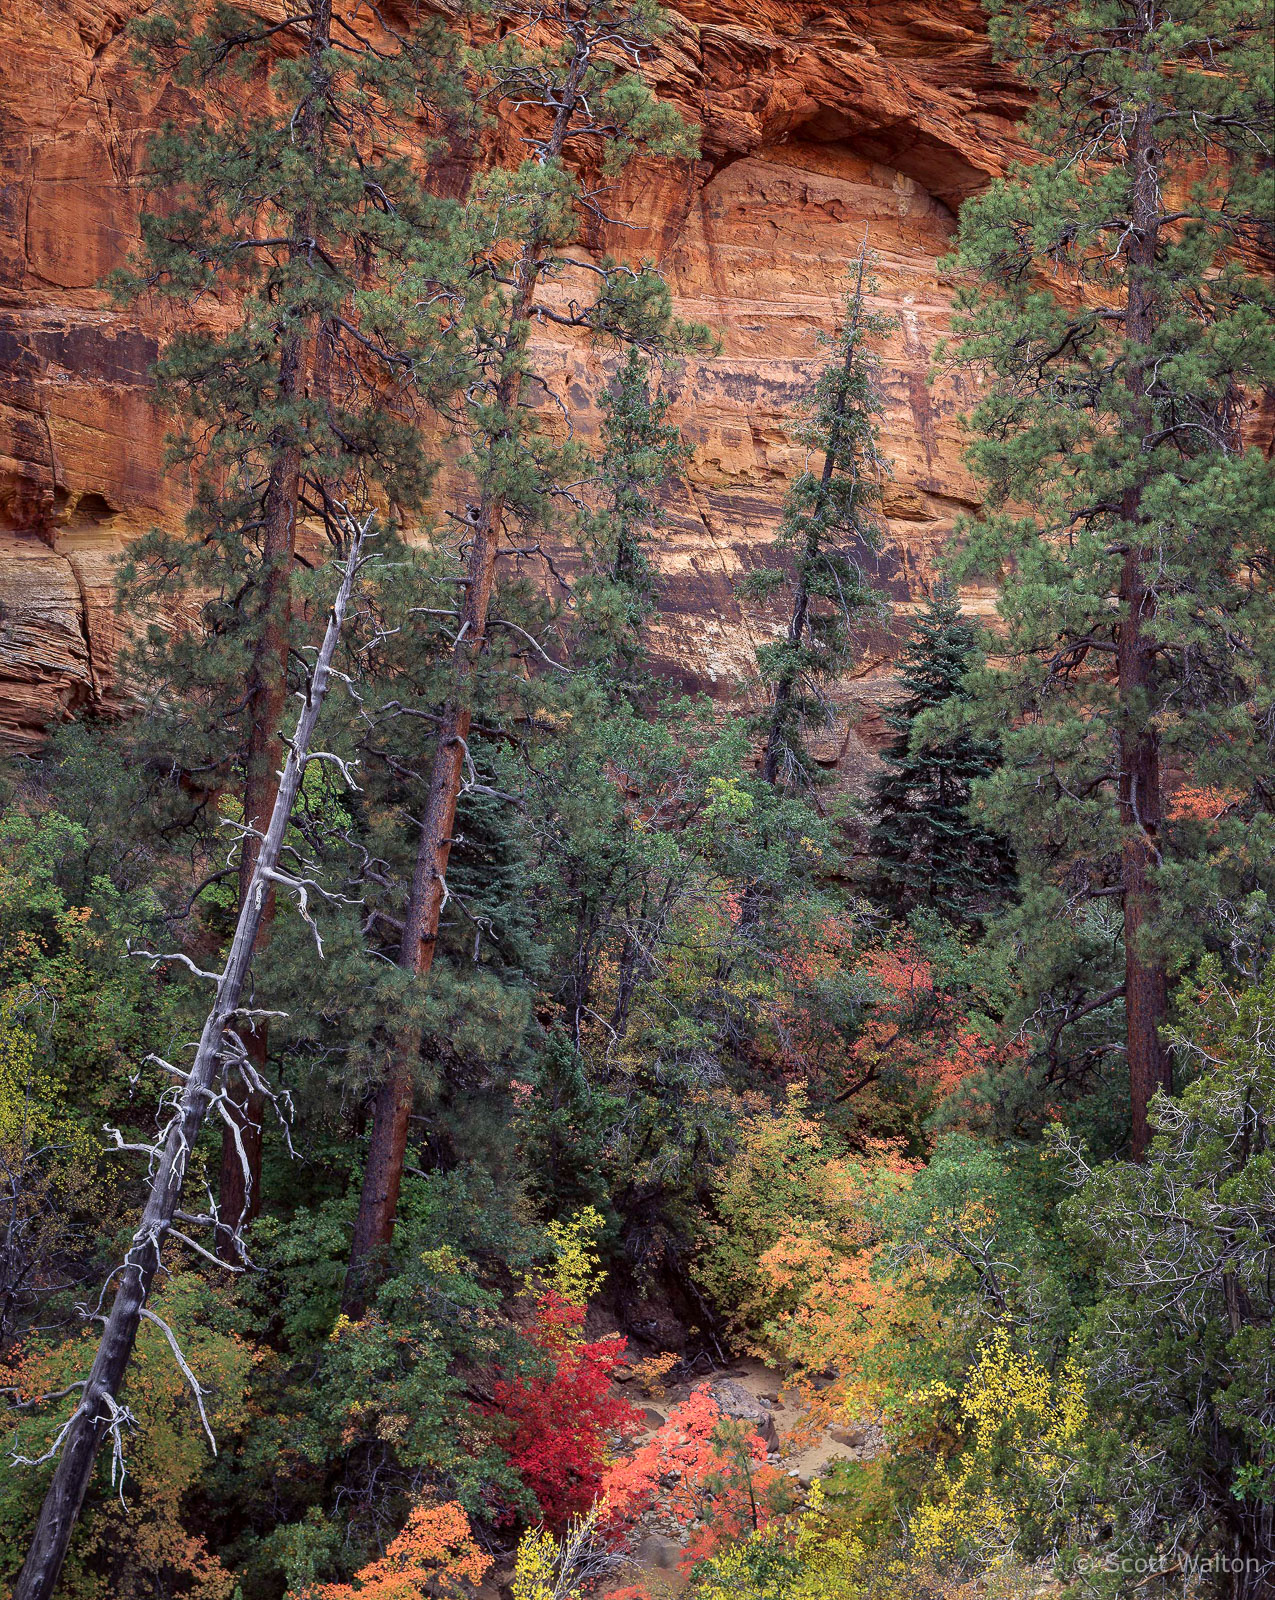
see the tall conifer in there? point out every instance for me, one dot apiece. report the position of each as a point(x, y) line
point(569, 70)
point(641, 452)
point(829, 525)
point(1124, 334)
point(927, 848)
point(293, 205)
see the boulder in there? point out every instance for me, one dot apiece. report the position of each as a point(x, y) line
point(734, 1401)
point(658, 1551)
point(865, 1437)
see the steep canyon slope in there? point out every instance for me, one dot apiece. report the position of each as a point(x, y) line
point(817, 121)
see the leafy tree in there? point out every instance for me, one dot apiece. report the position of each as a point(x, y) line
point(921, 1045)
point(435, 1554)
point(562, 1413)
point(927, 849)
point(143, 1533)
point(360, 1423)
point(562, 1122)
point(1025, 1426)
point(707, 1470)
point(1121, 331)
point(76, 1016)
point(828, 525)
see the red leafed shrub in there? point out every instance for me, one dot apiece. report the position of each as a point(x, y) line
point(700, 1467)
point(918, 1029)
point(563, 1416)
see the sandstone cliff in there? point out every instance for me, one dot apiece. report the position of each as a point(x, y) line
point(817, 121)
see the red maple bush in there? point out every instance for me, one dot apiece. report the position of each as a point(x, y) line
point(563, 1416)
point(917, 1029)
point(701, 1468)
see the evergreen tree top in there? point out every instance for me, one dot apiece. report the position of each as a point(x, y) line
point(940, 648)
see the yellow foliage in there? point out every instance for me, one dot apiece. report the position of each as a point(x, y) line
point(534, 1573)
point(576, 1273)
point(1015, 1407)
point(29, 1096)
point(813, 1558)
point(808, 1559)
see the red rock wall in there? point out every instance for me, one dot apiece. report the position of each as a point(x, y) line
point(817, 122)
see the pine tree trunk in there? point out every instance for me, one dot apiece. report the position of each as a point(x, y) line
point(239, 1196)
point(92, 1418)
point(1140, 796)
point(240, 1186)
point(1141, 814)
point(392, 1108)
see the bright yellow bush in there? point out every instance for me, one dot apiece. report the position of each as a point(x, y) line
point(1031, 1419)
point(534, 1573)
point(576, 1273)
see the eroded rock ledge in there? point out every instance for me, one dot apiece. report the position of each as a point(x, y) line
point(817, 121)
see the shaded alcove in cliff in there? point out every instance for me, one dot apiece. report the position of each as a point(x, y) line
point(755, 239)
point(934, 164)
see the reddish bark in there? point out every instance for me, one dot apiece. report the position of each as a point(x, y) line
point(240, 1179)
point(392, 1108)
point(1140, 793)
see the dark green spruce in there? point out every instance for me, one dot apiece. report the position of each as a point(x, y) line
point(829, 526)
point(929, 850)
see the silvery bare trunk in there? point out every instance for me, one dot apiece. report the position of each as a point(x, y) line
point(92, 1418)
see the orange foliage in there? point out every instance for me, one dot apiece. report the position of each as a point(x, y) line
point(1204, 804)
point(699, 1467)
point(434, 1556)
point(918, 1029)
point(913, 1028)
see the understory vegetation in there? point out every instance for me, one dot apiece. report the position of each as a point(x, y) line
point(569, 1037)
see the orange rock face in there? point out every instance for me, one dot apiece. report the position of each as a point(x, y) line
point(818, 123)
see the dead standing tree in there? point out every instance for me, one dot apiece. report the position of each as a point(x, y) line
point(203, 1086)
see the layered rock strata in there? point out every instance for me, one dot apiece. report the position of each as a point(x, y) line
point(818, 123)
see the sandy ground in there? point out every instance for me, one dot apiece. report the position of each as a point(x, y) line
point(803, 1456)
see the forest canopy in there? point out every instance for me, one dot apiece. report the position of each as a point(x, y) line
point(479, 1120)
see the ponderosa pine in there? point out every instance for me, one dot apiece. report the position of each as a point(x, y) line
point(297, 205)
point(1123, 332)
point(570, 69)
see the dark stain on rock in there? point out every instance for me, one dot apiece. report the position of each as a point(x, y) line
point(83, 351)
point(124, 357)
